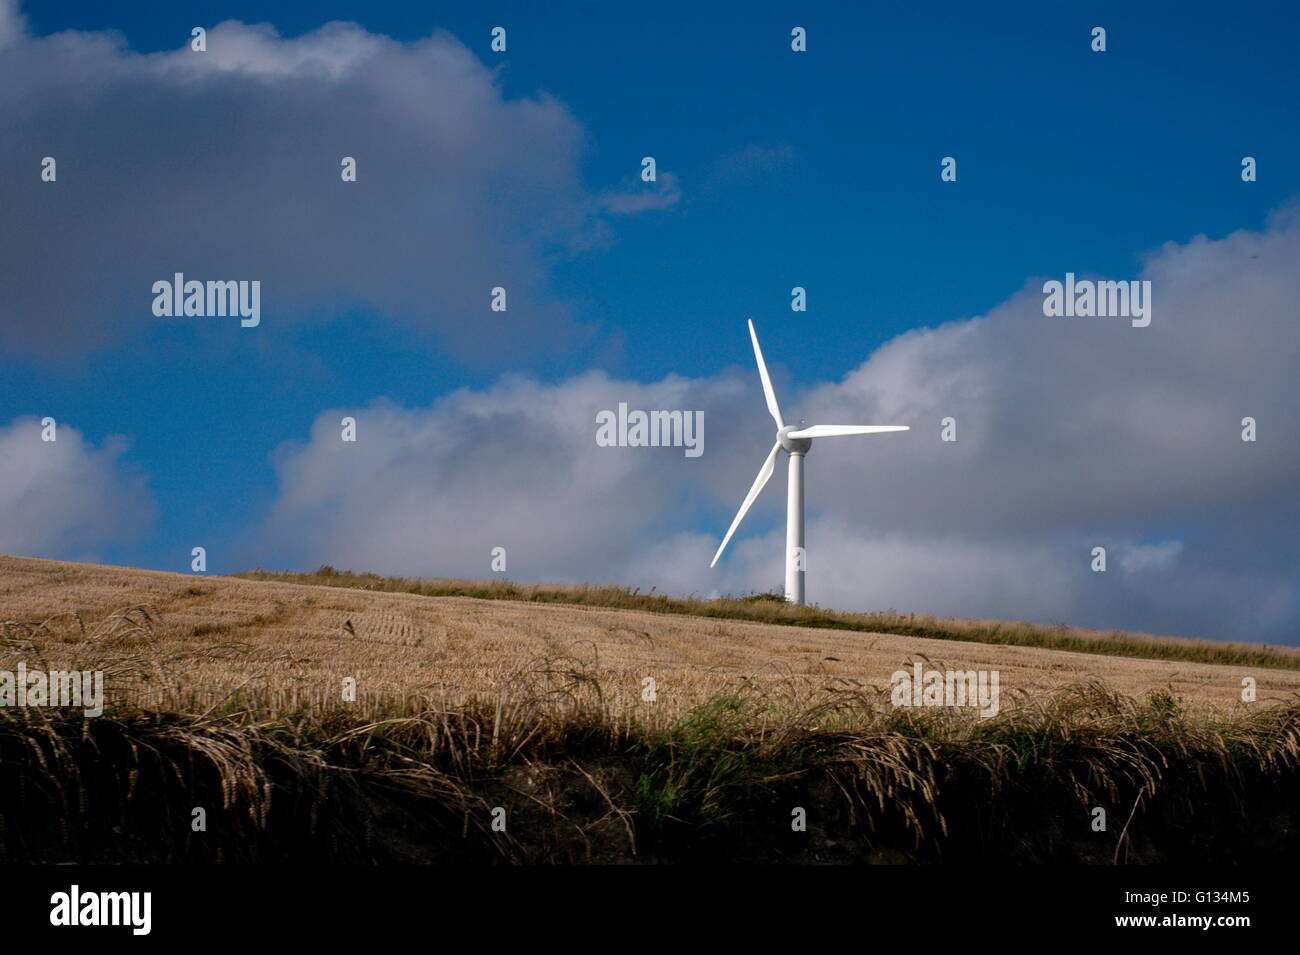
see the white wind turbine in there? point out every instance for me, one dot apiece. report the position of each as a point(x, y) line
point(796, 442)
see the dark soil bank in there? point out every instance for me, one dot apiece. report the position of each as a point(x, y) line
point(163, 789)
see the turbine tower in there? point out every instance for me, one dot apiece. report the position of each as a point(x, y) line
point(796, 442)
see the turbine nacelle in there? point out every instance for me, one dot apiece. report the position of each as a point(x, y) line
point(792, 445)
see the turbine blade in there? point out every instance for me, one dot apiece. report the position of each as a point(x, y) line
point(764, 473)
point(835, 430)
point(768, 393)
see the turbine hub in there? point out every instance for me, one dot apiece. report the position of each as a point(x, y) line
point(793, 445)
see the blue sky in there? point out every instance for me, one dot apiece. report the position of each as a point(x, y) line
point(818, 169)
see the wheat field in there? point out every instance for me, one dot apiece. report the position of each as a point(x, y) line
point(197, 642)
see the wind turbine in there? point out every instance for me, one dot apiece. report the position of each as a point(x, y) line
point(796, 442)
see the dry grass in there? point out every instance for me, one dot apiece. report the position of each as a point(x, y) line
point(883, 784)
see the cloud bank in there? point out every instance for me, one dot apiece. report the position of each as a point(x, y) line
point(1071, 434)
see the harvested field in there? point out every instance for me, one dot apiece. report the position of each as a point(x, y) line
point(287, 644)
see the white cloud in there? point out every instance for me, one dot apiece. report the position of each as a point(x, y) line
point(65, 498)
point(432, 490)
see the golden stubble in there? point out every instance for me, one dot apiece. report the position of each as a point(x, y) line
point(213, 644)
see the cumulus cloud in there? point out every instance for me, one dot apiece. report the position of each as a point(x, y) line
point(1095, 433)
point(1090, 422)
point(226, 164)
point(1071, 434)
point(432, 490)
point(65, 498)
